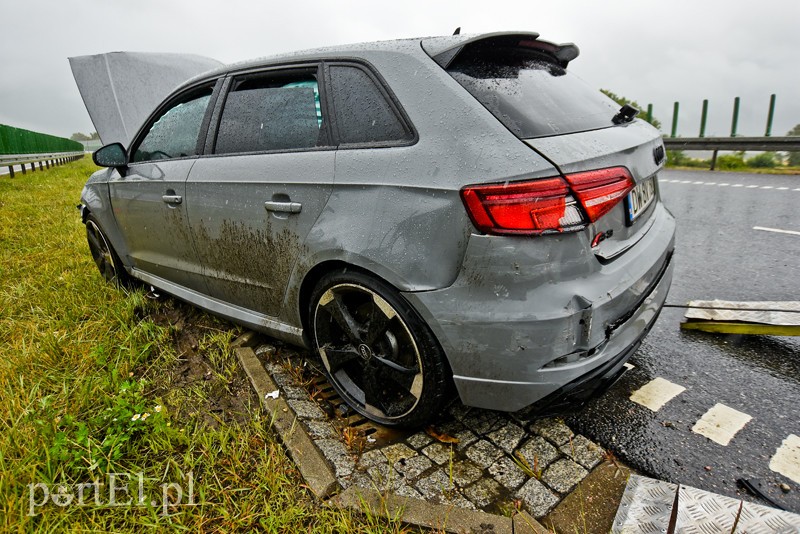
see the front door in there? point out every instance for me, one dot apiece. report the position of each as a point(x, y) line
point(149, 199)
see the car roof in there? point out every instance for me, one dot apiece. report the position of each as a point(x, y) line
point(147, 79)
point(435, 47)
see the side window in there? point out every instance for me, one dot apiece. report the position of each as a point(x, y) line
point(175, 132)
point(362, 113)
point(279, 111)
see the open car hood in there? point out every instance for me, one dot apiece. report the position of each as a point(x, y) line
point(121, 89)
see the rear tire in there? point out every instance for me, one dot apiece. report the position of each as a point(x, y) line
point(377, 352)
point(104, 256)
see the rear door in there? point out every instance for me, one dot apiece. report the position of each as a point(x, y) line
point(267, 176)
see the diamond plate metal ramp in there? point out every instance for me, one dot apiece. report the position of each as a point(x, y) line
point(701, 512)
point(650, 506)
point(646, 506)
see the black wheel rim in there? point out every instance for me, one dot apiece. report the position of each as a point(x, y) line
point(101, 252)
point(368, 351)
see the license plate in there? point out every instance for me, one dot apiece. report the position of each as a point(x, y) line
point(639, 199)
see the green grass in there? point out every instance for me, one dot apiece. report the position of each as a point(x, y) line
point(81, 362)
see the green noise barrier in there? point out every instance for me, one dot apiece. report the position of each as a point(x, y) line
point(19, 141)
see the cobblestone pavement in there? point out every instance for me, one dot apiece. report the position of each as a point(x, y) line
point(472, 458)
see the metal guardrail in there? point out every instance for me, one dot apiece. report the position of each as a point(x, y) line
point(766, 144)
point(44, 160)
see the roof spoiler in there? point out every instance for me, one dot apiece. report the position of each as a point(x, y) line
point(444, 50)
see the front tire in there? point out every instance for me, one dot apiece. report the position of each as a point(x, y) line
point(378, 354)
point(104, 256)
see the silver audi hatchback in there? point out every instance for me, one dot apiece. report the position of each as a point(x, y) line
point(428, 215)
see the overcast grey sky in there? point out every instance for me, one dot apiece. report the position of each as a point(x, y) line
point(652, 52)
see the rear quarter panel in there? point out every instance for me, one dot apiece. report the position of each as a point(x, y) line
point(397, 211)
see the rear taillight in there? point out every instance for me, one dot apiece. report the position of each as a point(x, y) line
point(545, 205)
point(599, 191)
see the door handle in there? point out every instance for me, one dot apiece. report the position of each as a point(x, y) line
point(172, 199)
point(283, 207)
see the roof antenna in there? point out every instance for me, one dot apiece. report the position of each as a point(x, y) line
point(458, 31)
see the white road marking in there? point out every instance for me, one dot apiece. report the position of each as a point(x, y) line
point(787, 459)
point(776, 230)
point(628, 366)
point(656, 393)
point(723, 184)
point(721, 423)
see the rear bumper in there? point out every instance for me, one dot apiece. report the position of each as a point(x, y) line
point(593, 383)
point(527, 319)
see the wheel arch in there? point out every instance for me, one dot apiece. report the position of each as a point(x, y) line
point(315, 274)
point(96, 201)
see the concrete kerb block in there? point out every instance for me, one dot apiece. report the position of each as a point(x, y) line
point(248, 339)
point(309, 459)
point(422, 513)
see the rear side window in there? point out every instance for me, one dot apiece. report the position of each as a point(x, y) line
point(272, 112)
point(529, 92)
point(363, 115)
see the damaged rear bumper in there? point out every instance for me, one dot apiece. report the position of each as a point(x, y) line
point(560, 328)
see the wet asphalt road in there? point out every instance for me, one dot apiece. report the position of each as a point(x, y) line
point(718, 256)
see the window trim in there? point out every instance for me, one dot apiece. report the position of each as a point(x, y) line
point(230, 82)
point(389, 97)
point(169, 103)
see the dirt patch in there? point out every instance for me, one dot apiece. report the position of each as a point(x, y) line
point(205, 370)
point(250, 264)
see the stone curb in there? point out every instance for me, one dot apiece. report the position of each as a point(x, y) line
point(322, 481)
point(309, 459)
point(434, 516)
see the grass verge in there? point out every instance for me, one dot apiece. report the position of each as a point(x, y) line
point(120, 413)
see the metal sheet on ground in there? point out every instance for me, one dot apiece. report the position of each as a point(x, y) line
point(646, 506)
point(650, 505)
point(764, 312)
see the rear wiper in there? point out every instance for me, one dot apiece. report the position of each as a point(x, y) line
point(626, 114)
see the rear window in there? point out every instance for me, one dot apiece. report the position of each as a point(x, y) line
point(529, 92)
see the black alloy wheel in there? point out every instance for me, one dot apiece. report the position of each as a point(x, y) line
point(378, 354)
